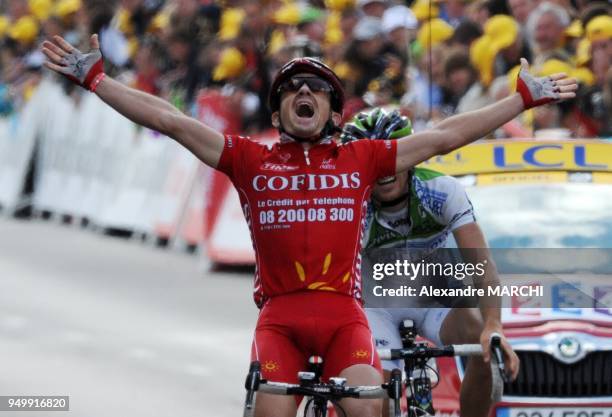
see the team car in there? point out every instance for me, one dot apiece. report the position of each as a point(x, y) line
point(545, 194)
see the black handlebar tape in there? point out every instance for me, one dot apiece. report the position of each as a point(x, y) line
point(499, 356)
point(254, 377)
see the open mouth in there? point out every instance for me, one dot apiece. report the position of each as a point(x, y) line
point(386, 180)
point(305, 110)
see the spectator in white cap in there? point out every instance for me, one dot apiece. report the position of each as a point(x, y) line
point(368, 29)
point(400, 24)
point(366, 54)
point(372, 8)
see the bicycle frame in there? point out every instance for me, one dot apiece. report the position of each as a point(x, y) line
point(418, 398)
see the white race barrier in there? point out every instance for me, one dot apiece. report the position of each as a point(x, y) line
point(125, 205)
point(93, 163)
point(55, 148)
point(17, 140)
point(191, 227)
point(230, 239)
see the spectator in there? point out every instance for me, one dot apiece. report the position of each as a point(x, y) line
point(312, 25)
point(424, 97)
point(466, 33)
point(521, 9)
point(232, 69)
point(499, 49)
point(478, 12)
point(17, 9)
point(454, 11)
point(146, 69)
point(399, 25)
point(572, 35)
point(594, 9)
point(596, 109)
point(203, 22)
point(372, 8)
point(365, 55)
point(383, 51)
point(546, 26)
point(434, 32)
point(599, 34)
point(348, 20)
point(184, 75)
point(459, 76)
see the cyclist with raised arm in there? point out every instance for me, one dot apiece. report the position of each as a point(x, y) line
point(416, 211)
point(304, 199)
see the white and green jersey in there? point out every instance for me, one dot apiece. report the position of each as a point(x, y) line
point(438, 206)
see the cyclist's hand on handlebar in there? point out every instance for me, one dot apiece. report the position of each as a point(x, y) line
point(511, 360)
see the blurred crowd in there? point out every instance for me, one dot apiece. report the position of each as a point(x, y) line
point(432, 58)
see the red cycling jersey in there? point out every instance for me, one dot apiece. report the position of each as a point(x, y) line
point(305, 209)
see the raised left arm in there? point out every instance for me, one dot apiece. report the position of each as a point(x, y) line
point(462, 129)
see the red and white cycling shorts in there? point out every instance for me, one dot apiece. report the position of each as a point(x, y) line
point(292, 327)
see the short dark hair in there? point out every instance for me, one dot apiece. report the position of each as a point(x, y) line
point(456, 60)
point(466, 32)
point(594, 9)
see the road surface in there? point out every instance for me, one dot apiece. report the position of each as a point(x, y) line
point(122, 328)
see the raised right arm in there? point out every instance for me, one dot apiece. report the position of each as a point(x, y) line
point(142, 108)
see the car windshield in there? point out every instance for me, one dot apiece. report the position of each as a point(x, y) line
point(568, 215)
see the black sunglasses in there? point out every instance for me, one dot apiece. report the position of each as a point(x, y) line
point(316, 85)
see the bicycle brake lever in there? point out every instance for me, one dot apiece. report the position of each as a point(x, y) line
point(499, 356)
point(252, 383)
point(394, 390)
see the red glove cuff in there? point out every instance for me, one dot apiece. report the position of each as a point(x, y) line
point(93, 74)
point(94, 84)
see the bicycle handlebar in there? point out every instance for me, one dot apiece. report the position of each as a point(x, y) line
point(430, 352)
point(421, 351)
point(333, 390)
point(358, 391)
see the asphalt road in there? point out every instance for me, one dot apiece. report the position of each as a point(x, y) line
point(123, 329)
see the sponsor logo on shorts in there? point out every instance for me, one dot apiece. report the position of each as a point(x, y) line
point(270, 366)
point(361, 354)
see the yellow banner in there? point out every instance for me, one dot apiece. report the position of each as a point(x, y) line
point(522, 178)
point(516, 156)
point(602, 177)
